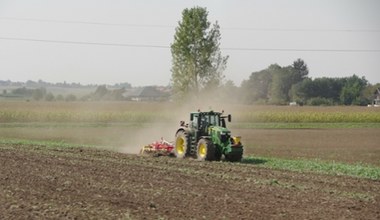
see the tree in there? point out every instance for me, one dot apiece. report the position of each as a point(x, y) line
point(281, 84)
point(70, 98)
point(59, 97)
point(39, 93)
point(300, 70)
point(283, 80)
point(100, 92)
point(49, 97)
point(347, 91)
point(275, 84)
point(257, 87)
point(197, 63)
point(352, 90)
point(328, 88)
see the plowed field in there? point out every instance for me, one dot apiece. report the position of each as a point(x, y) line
point(39, 182)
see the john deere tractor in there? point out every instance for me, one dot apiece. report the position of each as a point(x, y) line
point(206, 137)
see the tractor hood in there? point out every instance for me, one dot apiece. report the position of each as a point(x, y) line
point(220, 135)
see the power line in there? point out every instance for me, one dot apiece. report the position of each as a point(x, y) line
point(300, 50)
point(172, 27)
point(301, 30)
point(87, 22)
point(168, 47)
point(84, 43)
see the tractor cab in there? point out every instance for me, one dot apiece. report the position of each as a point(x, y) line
point(203, 120)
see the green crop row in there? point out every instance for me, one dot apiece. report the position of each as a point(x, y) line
point(168, 112)
point(310, 117)
point(142, 117)
point(325, 167)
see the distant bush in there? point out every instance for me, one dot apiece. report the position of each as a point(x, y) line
point(320, 101)
point(70, 98)
point(49, 97)
point(59, 98)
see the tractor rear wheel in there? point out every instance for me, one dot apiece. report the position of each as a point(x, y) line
point(205, 150)
point(181, 144)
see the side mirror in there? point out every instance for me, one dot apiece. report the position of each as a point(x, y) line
point(191, 117)
point(229, 118)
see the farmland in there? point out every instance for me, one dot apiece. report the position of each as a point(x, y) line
point(69, 160)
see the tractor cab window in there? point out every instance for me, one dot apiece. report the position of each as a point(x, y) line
point(204, 121)
point(195, 121)
point(207, 120)
point(214, 120)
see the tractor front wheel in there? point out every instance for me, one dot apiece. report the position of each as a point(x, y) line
point(235, 157)
point(205, 150)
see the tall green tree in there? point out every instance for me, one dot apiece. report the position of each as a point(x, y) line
point(257, 87)
point(300, 70)
point(197, 63)
point(352, 90)
point(284, 78)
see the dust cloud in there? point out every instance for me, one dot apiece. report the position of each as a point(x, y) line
point(148, 133)
point(157, 129)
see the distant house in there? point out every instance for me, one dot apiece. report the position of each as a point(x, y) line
point(376, 100)
point(147, 93)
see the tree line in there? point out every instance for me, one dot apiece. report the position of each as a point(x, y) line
point(40, 83)
point(42, 94)
point(37, 94)
point(281, 85)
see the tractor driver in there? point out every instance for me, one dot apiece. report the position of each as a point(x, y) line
point(204, 124)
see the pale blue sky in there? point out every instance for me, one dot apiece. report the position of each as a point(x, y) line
point(252, 24)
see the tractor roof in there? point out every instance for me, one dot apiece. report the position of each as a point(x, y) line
point(208, 113)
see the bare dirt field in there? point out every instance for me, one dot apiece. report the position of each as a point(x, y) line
point(348, 145)
point(39, 182)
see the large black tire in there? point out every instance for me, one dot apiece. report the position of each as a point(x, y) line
point(181, 144)
point(205, 150)
point(218, 155)
point(235, 157)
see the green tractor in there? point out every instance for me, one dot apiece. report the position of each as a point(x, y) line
point(206, 137)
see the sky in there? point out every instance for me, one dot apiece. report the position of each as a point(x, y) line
point(114, 41)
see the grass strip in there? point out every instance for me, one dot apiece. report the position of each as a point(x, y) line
point(57, 144)
point(70, 125)
point(318, 166)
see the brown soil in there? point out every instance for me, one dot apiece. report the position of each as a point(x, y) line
point(37, 182)
point(355, 145)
